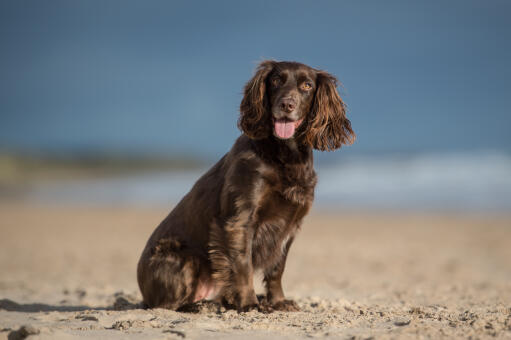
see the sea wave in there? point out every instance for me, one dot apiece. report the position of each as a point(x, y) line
point(477, 181)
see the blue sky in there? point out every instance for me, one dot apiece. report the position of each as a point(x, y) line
point(166, 76)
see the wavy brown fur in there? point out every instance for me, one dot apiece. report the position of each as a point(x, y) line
point(329, 128)
point(254, 118)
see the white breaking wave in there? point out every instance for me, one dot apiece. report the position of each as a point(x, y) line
point(456, 181)
point(479, 181)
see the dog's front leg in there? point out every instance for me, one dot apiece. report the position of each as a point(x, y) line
point(242, 286)
point(273, 283)
point(231, 259)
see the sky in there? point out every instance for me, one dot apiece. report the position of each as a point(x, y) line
point(166, 77)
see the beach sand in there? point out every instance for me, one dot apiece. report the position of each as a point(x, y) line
point(69, 272)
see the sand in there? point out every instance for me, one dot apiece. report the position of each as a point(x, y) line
point(69, 272)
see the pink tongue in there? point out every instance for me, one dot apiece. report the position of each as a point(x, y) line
point(284, 129)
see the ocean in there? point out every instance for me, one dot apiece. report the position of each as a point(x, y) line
point(478, 182)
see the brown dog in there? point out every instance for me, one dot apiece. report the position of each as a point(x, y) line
point(244, 213)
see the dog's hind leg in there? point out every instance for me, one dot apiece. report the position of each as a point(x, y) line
point(168, 275)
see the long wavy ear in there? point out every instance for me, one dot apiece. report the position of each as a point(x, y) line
point(328, 127)
point(254, 120)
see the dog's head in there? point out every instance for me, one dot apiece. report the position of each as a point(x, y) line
point(292, 100)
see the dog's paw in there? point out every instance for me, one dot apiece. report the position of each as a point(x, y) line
point(240, 301)
point(248, 308)
point(286, 306)
point(264, 306)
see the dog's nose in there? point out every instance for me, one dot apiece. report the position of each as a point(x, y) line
point(287, 105)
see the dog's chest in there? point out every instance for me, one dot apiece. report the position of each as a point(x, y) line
point(294, 183)
point(297, 184)
point(278, 222)
point(289, 193)
point(269, 242)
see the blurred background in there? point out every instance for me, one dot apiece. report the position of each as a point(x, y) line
point(129, 102)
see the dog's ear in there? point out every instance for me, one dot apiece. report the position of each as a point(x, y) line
point(328, 128)
point(254, 120)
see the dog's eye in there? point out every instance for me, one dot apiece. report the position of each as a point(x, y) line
point(306, 86)
point(275, 81)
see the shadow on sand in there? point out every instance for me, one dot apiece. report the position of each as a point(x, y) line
point(11, 306)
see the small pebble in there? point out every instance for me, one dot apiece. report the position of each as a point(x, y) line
point(402, 321)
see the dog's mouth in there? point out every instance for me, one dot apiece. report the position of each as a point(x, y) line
point(285, 128)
